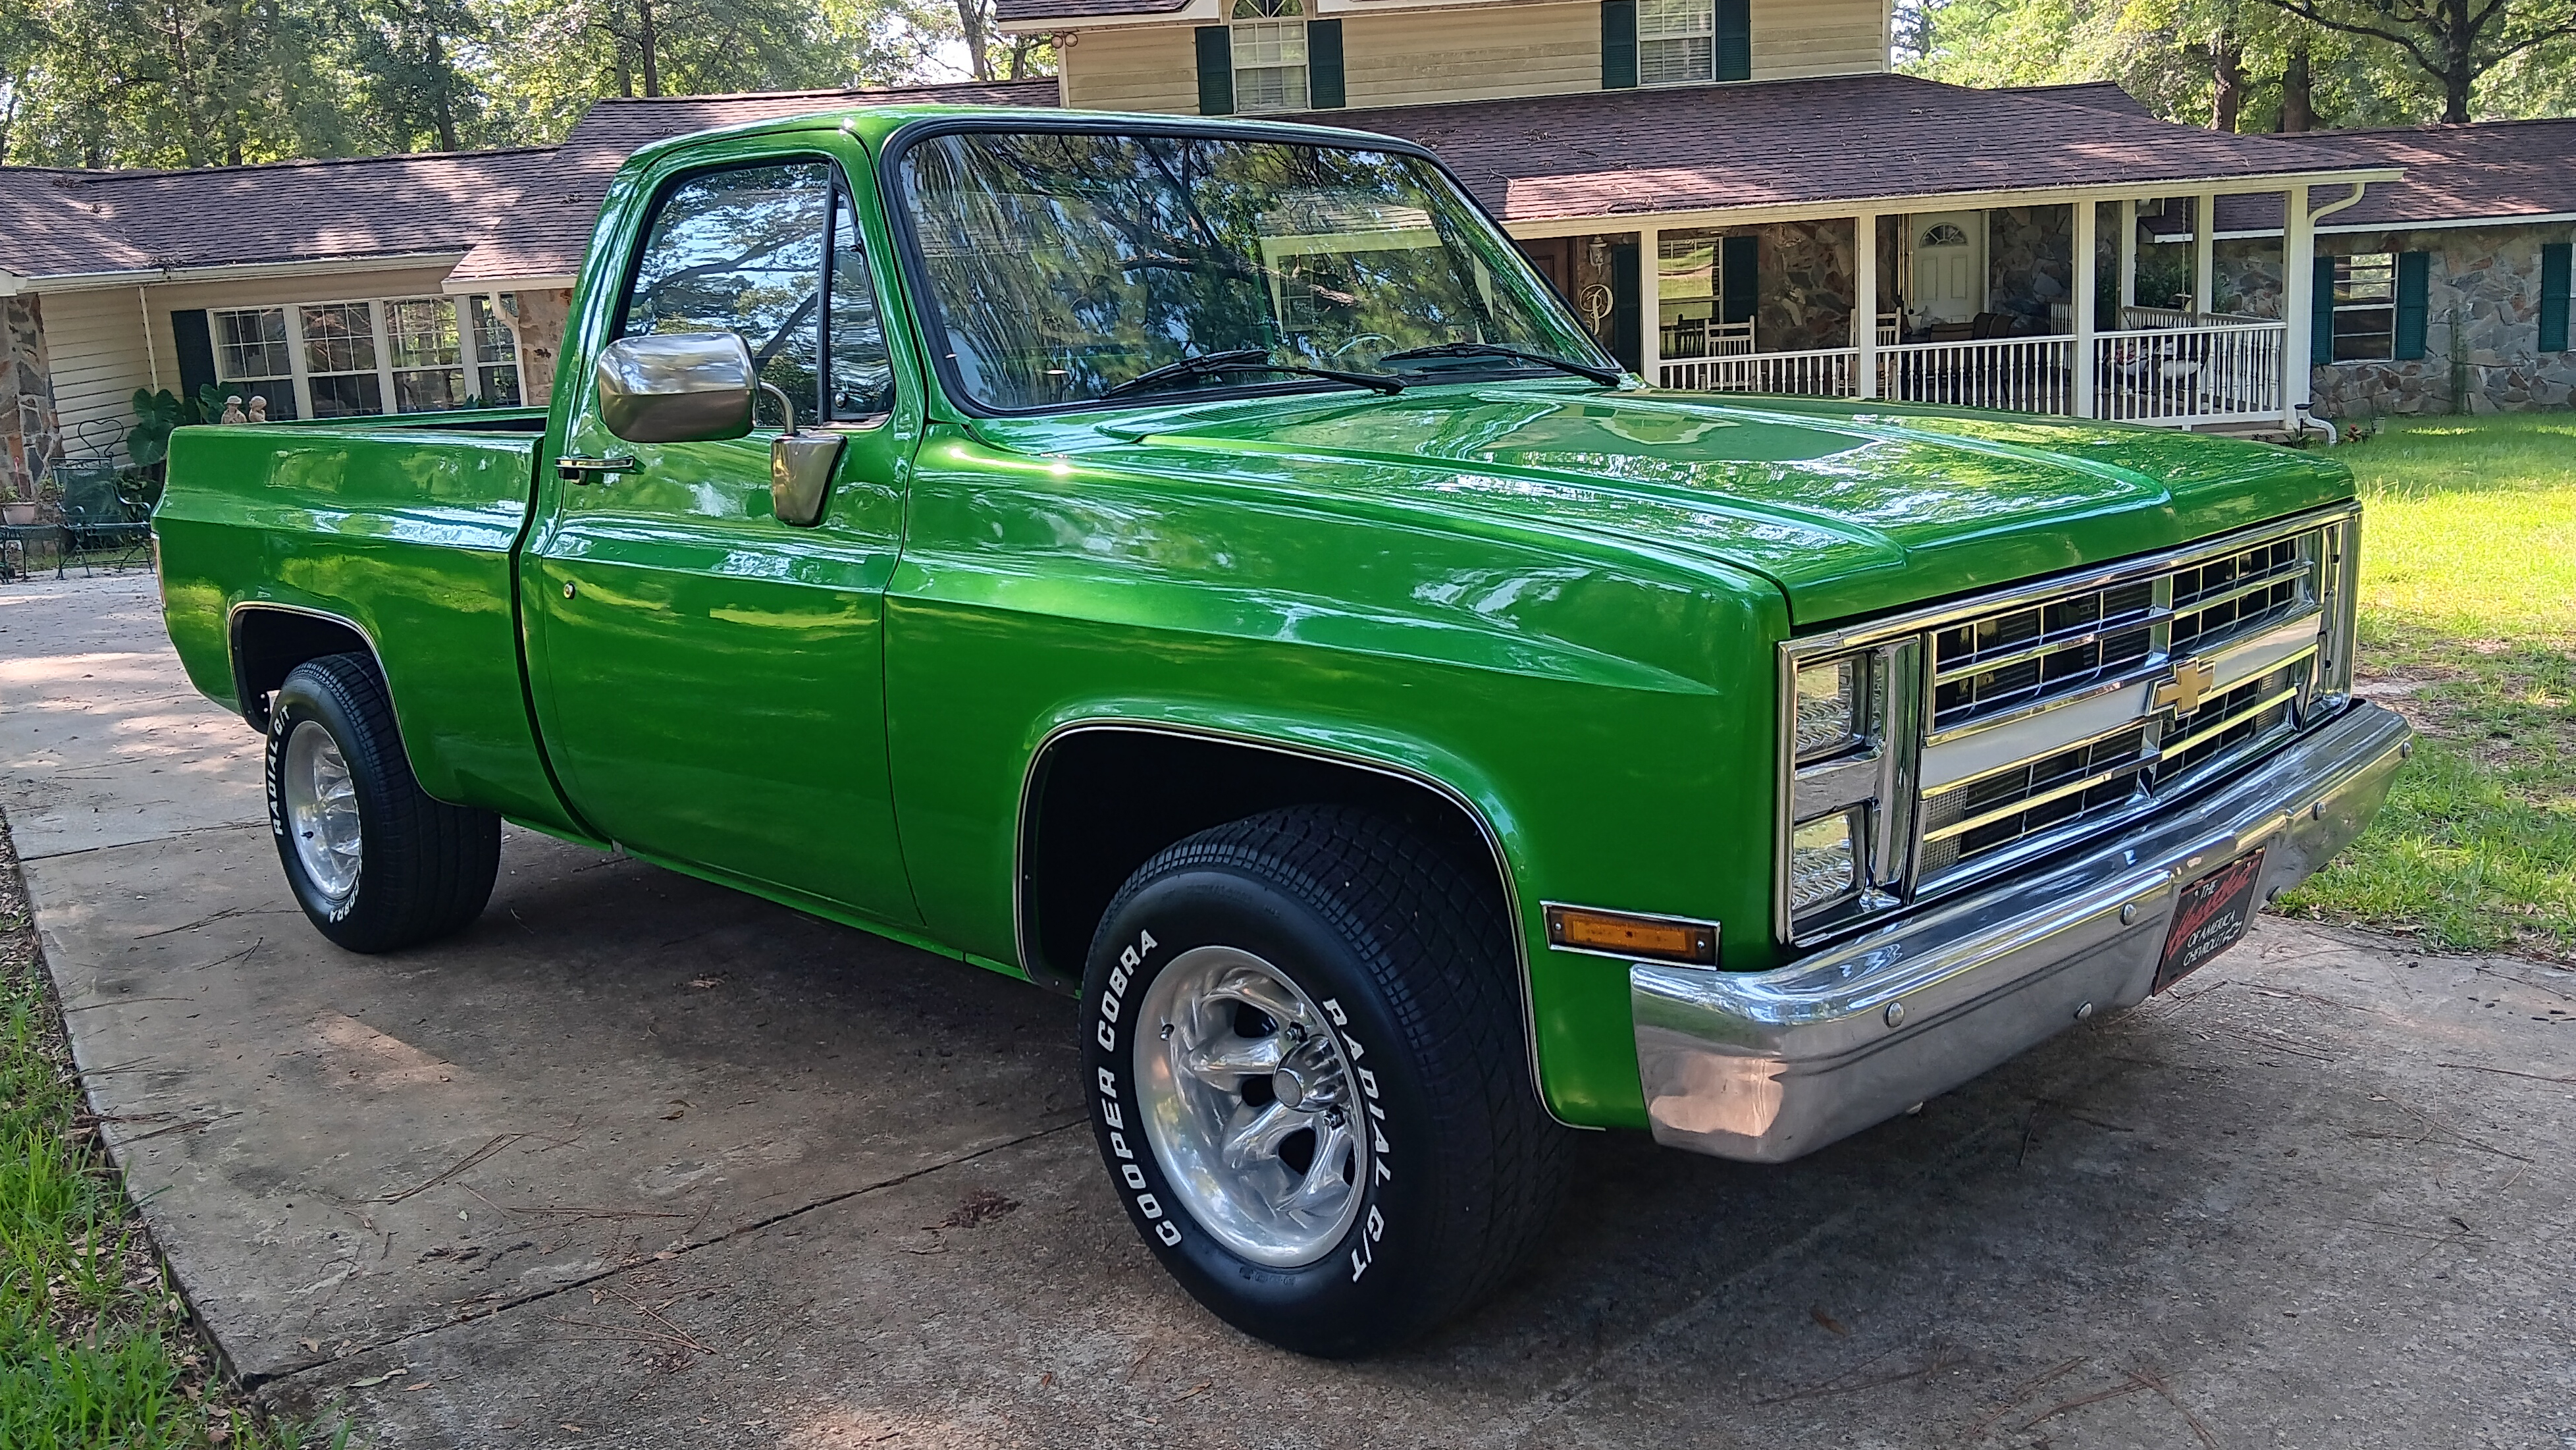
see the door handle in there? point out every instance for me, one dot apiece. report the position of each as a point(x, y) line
point(578, 470)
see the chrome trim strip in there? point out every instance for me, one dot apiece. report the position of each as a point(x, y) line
point(2014, 808)
point(2127, 680)
point(239, 607)
point(2304, 569)
point(2042, 649)
point(1958, 783)
point(1113, 723)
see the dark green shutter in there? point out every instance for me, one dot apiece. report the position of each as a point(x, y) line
point(196, 345)
point(2554, 287)
point(1735, 40)
point(1324, 64)
point(1739, 272)
point(1618, 45)
point(2412, 270)
point(1626, 314)
point(2321, 314)
point(1216, 70)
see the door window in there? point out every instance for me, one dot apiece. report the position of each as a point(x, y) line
point(749, 251)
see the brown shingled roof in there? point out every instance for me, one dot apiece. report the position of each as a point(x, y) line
point(551, 225)
point(1842, 138)
point(2492, 170)
point(50, 228)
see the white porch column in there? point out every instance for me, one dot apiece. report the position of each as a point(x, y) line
point(2087, 237)
point(2204, 250)
point(2298, 302)
point(1865, 305)
point(1650, 305)
point(2128, 260)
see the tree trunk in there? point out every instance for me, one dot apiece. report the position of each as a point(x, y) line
point(443, 109)
point(647, 41)
point(2298, 91)
point(2227, 70)
point(970, 23)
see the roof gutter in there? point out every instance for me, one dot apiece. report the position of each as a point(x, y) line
point(503, 282)
point(1891, 203)
point(236, 271)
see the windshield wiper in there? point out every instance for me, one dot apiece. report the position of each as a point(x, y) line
point(1496, 349)
point(1243, 360)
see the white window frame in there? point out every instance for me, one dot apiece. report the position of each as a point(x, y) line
point(1268, 37)
point(2348, 272)
point(469, 351)
point(1685, 30)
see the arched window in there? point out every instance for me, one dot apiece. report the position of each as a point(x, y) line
point(1269, 45)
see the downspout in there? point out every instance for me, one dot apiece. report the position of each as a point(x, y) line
point(2304, 422)
point(151, 349)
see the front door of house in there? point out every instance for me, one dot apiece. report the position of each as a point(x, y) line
point(1947, 256)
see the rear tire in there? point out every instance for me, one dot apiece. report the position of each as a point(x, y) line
point(376, 864)
point(1303, 1050)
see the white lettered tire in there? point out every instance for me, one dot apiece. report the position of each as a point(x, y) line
point(1303, 1053)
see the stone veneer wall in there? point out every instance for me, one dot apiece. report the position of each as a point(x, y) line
point(2030, 262)
point(30, 434)
point(1805, 286)
point(2489, 279)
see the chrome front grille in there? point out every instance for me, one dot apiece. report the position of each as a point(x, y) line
point(2058, 709)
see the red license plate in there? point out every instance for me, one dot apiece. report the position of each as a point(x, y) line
point(2210, 917)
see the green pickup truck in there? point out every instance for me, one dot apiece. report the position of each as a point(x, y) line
point(1200, 567)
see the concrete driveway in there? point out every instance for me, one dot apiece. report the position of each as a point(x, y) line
point(640, 1162)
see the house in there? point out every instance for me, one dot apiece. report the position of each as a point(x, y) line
point(2445, 291)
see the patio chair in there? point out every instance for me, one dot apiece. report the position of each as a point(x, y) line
point(107, 514)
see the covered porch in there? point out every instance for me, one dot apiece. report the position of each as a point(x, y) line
point(2023, 303)
point(1884, 237)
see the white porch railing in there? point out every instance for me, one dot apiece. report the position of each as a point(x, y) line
point(2191, 374)
point(1823, 373)
point(2017, 374)
point(2140, 317)
point(2200, 373)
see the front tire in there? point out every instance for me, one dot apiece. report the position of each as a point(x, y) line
point(376, 864)
point(1303, 1047)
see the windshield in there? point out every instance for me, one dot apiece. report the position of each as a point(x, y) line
point(1064, 264)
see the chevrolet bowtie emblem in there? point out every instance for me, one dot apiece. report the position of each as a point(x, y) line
point(2190, 680)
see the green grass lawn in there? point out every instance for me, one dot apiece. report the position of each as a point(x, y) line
point(95, 1349)
point(2468, 625)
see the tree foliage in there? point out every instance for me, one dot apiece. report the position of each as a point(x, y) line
point(210, 82)
point(2262, 65)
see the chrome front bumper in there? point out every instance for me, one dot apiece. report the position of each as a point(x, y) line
point(1771, 1065)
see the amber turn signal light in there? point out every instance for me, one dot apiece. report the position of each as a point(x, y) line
point(1622, 935)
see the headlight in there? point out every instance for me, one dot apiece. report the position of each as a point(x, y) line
point(1824, 860)
point(1833, 707)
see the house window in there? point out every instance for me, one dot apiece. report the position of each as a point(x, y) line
point(2365, 307)
point(359, 359)
point(1269, 47)
point(427, 355)
point(340, 359)
point(1676, 42)
point(253, 358)
point(496, 352)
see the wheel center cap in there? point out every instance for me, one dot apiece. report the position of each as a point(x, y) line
point(1287, 1089)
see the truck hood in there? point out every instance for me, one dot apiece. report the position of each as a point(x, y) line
point(1850, 509)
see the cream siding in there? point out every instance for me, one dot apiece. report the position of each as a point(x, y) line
point(1136, 68)
point(94, 342)
point(1409, 58)
point(1818, 38)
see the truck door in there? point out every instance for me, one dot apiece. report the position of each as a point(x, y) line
point(709, 679)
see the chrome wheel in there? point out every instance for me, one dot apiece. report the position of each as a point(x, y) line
point(322, 810)
point(1249, 1106)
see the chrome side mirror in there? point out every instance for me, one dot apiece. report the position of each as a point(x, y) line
point(677, 387)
